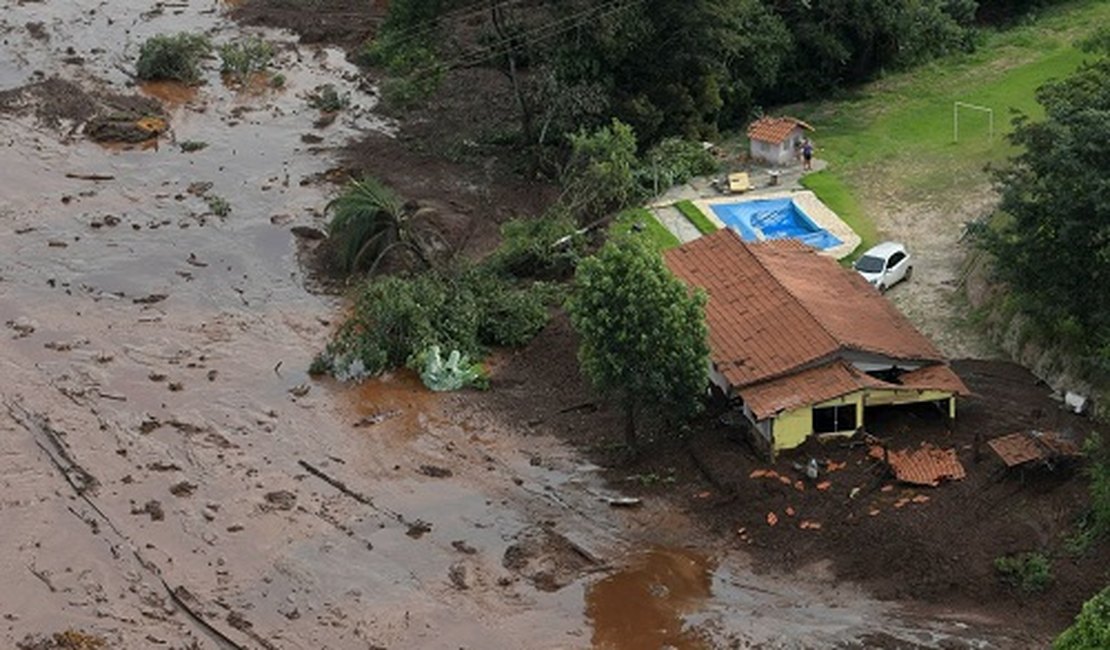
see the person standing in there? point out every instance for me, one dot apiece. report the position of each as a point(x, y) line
point(807, 155)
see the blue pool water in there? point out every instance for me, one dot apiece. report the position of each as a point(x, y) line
point(773, 219)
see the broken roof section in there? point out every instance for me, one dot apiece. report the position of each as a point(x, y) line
point(926, 465)
point(1027, 446)
point(775, 129)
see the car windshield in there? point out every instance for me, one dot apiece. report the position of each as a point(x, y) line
point(869, 264)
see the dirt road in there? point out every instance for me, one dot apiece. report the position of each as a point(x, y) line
point(172, 478)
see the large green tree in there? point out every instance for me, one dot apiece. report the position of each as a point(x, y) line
point(1091, 630)
point(643, 333)
point(1053, 245)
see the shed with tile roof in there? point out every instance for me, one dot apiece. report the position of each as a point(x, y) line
point(803, 344)
point(776, 140)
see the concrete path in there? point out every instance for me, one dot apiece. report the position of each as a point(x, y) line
point(702, 187)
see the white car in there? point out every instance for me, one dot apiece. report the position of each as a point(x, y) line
point(885, 265)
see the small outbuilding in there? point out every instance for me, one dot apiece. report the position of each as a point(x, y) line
point(776, 140)
point(802, 345)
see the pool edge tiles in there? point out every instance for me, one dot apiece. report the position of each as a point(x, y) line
point(808, 204)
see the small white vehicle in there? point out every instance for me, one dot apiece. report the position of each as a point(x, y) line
point(885, 265)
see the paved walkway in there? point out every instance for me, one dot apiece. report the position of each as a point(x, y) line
point(674, 221)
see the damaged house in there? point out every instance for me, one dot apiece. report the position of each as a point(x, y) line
point(804, 345)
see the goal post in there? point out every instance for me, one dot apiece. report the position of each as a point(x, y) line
point(956, 106)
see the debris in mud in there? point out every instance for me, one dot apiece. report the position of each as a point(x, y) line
point(308, 232)
point(152, 508)
point(623, 502)
point(418, 528)
point(68, 640)
point(150, 299)
point(280, 500)
point(457, 575)
point(435, 471)
point(462, 547)
point(175, 386)
point(547, 559)
point(159, 466)
point(300, 390)
point(23, 327)
point(183, 489)
point(371, 420)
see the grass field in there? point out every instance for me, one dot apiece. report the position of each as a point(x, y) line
point(893, 139)
point(661, 238)
point(695, 216)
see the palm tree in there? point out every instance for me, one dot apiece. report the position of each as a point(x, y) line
point(369, 220)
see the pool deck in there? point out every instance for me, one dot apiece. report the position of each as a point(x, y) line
point(817, 211)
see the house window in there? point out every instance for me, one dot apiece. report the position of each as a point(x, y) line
point(829, 419)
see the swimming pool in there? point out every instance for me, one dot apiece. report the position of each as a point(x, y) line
point(780, 218)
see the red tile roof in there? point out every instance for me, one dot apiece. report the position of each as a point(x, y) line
point(775, 129)
point(780, 316)
point(806, 387)
point(757, 330)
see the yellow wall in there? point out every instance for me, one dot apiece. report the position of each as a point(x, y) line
point(791, 428)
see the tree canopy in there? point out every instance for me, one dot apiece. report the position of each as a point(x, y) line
point(1053, 244)
point(643, 333)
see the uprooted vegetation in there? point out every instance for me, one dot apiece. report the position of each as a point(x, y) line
point(243, 58)
point(175, 57)
point(101, 116)
point(396, 319)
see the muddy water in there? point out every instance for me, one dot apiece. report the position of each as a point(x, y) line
point(169, 474)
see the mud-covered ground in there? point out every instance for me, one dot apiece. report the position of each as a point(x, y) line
point(172, 478)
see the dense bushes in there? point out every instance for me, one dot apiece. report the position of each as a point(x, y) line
point(172, 57)
point(1051, 245)
point(394, 319)
point(545, 248)
point(1091, 630)
point(1027, 571)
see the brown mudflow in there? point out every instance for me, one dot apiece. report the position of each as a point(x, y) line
point(172, 478)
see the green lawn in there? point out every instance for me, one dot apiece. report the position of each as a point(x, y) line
point(657, 233)
point(893, 139)
point(696, 217)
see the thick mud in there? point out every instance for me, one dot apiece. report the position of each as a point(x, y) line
point(172, 478)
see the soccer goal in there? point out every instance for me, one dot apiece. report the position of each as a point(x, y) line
point(956, 106)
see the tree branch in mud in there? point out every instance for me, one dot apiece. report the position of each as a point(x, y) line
point(83, 483)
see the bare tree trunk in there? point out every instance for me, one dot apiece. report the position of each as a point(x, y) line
point(630, 425)
point(527, 120)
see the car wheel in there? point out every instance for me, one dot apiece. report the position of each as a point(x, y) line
point(909, 273)
point(882, 288)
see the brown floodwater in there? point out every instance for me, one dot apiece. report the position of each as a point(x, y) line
point(170, 476)
point(645, 604)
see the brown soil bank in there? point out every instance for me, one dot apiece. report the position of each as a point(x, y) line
point(343, 22)
point(937, 550)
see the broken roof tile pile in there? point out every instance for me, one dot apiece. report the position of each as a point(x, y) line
point(926, 465)
point(775, 129)
point(781, 318)
point(1027, 446)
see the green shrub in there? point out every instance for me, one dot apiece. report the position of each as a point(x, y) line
point(1091, 630)
point(1098, 471)
point(696, 217)
point(327, 99)
point(243, 58)
point(546, 247)
point(644, 224)
point(172, 57)
point(673, 162)
point(396, 318)
point(218, 205)
point(189, 146)
point(1027, 571)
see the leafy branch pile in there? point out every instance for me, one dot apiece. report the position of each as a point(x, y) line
point(394, 319)
point(174, 57)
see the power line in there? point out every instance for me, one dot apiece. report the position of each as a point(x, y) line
point(542, 32)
